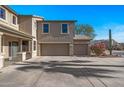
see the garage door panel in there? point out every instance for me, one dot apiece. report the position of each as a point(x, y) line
point(80, 49)
point(54, 49)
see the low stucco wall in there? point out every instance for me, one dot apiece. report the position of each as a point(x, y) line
point(1, 61)
point(22, 56)
point(28, 55)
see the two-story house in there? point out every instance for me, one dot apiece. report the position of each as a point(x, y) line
point(26, 36)
point(55, 37)
point(12, 40)
point(18, 39)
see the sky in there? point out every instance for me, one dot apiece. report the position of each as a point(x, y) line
point(102, 18)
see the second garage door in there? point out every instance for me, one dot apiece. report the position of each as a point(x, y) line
point(80, 49)
point(54, 49)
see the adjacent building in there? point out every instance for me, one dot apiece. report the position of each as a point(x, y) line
point(26, 36)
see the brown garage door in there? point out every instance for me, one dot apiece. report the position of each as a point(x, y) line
point(54, 49)
point(81, 49)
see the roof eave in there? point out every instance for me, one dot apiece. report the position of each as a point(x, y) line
point(10, 9)
point(16, 32)
point(32, 16)
point(59, 21)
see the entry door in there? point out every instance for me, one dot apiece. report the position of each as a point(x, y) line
point(13, 49)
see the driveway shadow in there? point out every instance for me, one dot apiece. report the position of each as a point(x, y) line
point(81, 72)
point(74, 64)
point(29, 68)
point(74, 61)
point(70, 67)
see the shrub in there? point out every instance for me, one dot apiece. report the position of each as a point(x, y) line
point(98, 49)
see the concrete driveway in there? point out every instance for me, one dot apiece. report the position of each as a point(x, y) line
point(64, 72)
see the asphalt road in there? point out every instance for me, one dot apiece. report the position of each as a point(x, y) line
point(121, 53)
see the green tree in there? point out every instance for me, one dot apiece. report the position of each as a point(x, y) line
point(85, 29)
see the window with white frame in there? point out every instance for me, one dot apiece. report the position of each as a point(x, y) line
point(14, 20)
point(64, 28)
point(2, 13)
point(45, 28)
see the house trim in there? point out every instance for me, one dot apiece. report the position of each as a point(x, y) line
point(9, 9)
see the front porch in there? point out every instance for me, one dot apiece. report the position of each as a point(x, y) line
point(14, 48)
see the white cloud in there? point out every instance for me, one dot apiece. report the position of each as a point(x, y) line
point(117, 32)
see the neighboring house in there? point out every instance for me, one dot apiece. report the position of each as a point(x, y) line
point(55, 37)
point(26, 36)
point(122, 44)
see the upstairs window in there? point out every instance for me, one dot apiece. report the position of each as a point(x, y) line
point(45, 28)
point(14, 20)
point(64, 28)
point(2, 13)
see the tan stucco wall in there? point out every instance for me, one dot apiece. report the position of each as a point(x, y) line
point(55, 34)
point(34, 33)
point(8, 21)
point(28, 24)
point(25, 24)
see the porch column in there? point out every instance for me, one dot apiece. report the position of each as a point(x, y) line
point(23, 53)
point(71, 49)
point(21, 45)
point(38, 49)
point(1, 52)
point(29, 44)
point(20, 53)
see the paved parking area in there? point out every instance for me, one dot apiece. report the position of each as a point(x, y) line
point(64, 71)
